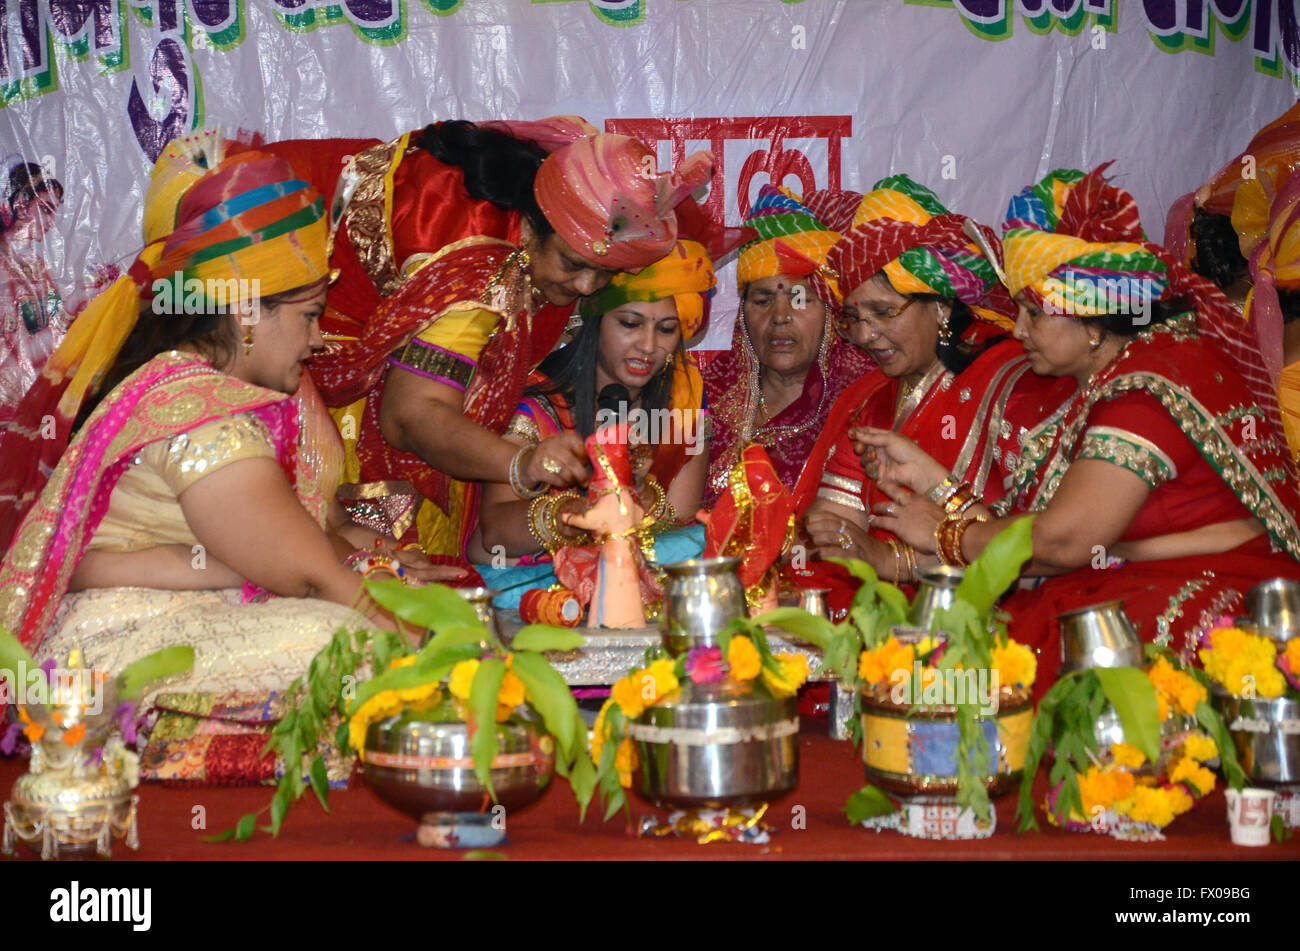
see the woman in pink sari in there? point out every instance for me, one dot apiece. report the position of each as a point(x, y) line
point(787, 366)
point(198, 471)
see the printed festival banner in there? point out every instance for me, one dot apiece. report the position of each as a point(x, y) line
point(975, 98)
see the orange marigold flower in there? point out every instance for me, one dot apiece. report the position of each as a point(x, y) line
point(75, 735)
point(742, 658)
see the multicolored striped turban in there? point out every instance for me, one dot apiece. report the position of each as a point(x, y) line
point(791, 242)
point(1074, 245)
point(1071, 231)
point(207, 219)
point(901, 228)
point(686, 275)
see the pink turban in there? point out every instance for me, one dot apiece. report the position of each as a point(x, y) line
point(604, 196)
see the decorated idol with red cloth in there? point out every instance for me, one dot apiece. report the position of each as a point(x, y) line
point(923, 301)
point(1165, 481)
point(786, 366)
point(460, 250)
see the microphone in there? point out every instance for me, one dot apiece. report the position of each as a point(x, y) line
point(612, 403)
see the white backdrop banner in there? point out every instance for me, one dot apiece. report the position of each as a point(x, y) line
point(975, 98)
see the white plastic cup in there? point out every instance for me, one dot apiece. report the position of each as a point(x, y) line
point(1250, 813)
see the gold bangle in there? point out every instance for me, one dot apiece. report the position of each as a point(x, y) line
point(960, 499)
point(942, 492)
point(909, 555)
point(898, 557)
point(516, 480)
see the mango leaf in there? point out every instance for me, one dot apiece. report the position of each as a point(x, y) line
point(1212, 723)
point(859, 569)
point(456, 635)
point(582, 780)
point(867, 803)
point(320, 782)
point(279, 808)
point(1130, 692)
point(893, 600)
point(433, 606)
point(997, 566)
point(246, 827)
point(550, 696)
point(223, 836)
point(480, 855)
point(813, 629)
point(485, 743)
point(546, 637)
point(155, 666)
point(618, 800)
point(1278, 826)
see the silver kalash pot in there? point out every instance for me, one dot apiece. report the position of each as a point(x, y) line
point(714, 745)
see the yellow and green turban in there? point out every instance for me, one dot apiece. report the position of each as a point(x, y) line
point(901, 228)
point(1075, 245)
point(791, 241)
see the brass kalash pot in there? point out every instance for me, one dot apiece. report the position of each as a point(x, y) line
point(713, 745)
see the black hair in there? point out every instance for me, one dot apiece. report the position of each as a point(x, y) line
point(1290, 301)
point(26, 181)
point(1130, 325)
point(1218, 252)
point(498, 167)
point(572, 372)
point(209, 330)
point(955, 355)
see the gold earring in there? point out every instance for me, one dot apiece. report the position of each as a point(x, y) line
point(1094, 343)
point(248, 341)
point(945, 335)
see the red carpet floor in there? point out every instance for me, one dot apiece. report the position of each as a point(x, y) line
point(362, 827)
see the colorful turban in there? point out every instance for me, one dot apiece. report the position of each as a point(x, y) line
point(603, 196)
point(244, 218)
point(206, 219)
point(791, 241)
point(1074, 244)
point(686, 275)
point(1274, 264)
point(900, 227)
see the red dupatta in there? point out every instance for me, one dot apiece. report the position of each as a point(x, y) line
point(169, 395)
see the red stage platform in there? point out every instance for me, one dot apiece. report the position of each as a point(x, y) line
point(362, 827)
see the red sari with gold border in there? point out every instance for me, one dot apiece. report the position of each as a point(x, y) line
point(1172, 409)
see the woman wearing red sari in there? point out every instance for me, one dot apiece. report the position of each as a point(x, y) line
point(460, 250)
point(928, 307)
point(786, 366)
point(1165, 481)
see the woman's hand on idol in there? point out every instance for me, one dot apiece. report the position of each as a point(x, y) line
point(418, 567)
point(894, 461)
point(910, 517)
point(558, 461)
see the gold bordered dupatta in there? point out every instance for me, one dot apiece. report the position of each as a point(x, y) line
point(169, 395)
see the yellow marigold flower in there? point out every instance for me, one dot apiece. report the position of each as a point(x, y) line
point(511, 694)
point(626, 761)
point(1126, 755)
point(1095, 789)
point(1237, 659)
point(1178, 690)
point(1193, 772)
point(662, 674)
point(1149, 804)
point(627, 694)
point(406, 660)
point(742, 658)
point(600, 731)
point(462, 678)
point(1179, 800)
point(381, 705)
point(793, 673)
point(1292, 653)
point(1200, 747)
point(1015, 664)
point(877, 666)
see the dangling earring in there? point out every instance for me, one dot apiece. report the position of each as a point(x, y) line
point(1095, 343)
point(945, 335)
point(248, 341)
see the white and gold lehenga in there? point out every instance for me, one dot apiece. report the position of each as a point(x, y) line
point(117, 489)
